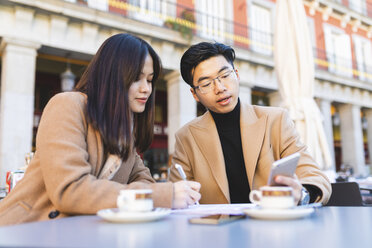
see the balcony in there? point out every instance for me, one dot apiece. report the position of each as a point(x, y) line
point(190, 22)
point(363, 7)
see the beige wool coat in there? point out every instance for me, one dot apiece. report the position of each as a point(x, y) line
point(64, 176)
point(267, 134)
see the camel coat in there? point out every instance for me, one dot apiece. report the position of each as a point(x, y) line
point(63, 177)
point(267, 134)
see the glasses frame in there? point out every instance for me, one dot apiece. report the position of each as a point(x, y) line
point(213, 81)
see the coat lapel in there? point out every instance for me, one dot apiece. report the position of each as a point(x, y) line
point(206, 135)
point(252, 134)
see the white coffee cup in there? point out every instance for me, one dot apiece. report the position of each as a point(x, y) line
point(273, 197)
point(135, 200)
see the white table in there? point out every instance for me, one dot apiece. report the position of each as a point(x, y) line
point(327, 227)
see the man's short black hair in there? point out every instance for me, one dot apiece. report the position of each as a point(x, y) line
point(202, 51)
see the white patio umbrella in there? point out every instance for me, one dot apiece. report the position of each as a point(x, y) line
point(294, 65)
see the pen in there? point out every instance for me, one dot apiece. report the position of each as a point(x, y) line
point(183, 175)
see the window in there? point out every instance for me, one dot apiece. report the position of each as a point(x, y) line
point(150, 11)
point(210, 17)
point(260, 23)
point(363, 54)
point(338, 51)
point(98, 4)
point(358, 6)
point(310, 24)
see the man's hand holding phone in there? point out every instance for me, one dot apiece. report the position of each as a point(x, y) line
point(283, 173)
point(291, 182)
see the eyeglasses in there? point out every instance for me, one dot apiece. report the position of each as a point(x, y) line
point(208, 86)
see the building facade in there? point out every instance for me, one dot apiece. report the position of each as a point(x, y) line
point(46, 44)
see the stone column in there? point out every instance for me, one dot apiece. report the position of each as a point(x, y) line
point(181, 106)
point(352, 138)
point(325, 109)
point(17, 103)
point(245, 94)
point(368, 114)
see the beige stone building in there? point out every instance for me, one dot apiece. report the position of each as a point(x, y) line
point(46, 44)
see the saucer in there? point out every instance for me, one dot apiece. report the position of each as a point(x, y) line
point(278, 214)
point(114, 215)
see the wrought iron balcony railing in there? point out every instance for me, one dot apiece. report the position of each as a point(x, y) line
point(189, 22)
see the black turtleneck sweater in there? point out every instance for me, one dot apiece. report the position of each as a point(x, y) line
point(228, 127)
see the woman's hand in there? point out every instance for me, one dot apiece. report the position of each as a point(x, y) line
point(292, 182)
point(185, 193)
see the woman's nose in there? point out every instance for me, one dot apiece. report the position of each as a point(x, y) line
point(145, 86)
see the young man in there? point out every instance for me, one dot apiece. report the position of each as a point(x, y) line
point(230, 148)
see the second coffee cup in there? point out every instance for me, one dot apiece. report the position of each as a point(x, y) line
point(273, 197)
point(135, 200)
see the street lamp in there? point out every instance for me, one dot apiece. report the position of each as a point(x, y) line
point(67, 79)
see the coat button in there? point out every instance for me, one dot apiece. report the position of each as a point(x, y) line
point(53, 214)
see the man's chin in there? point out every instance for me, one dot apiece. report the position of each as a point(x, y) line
point(225, 110)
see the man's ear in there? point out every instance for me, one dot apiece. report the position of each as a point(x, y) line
point(237, 74)
point(194, 94)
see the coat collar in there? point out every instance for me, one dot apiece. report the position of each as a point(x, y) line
point(252, 132)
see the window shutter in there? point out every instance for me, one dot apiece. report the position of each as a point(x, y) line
point(367, 53)
point(261, 29)
point(211, 18)
point(358, 49)
point(344, 51)
point(329, 48)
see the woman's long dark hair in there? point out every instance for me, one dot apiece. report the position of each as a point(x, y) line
point(106, 81)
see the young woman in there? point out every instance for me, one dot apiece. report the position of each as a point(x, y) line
point(87, 141)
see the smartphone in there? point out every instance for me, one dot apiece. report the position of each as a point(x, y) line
point(216, 219)
point(285, 167)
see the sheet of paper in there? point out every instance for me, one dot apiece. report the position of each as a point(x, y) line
point(213, 209)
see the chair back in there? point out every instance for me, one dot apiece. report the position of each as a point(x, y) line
point(345, 194)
